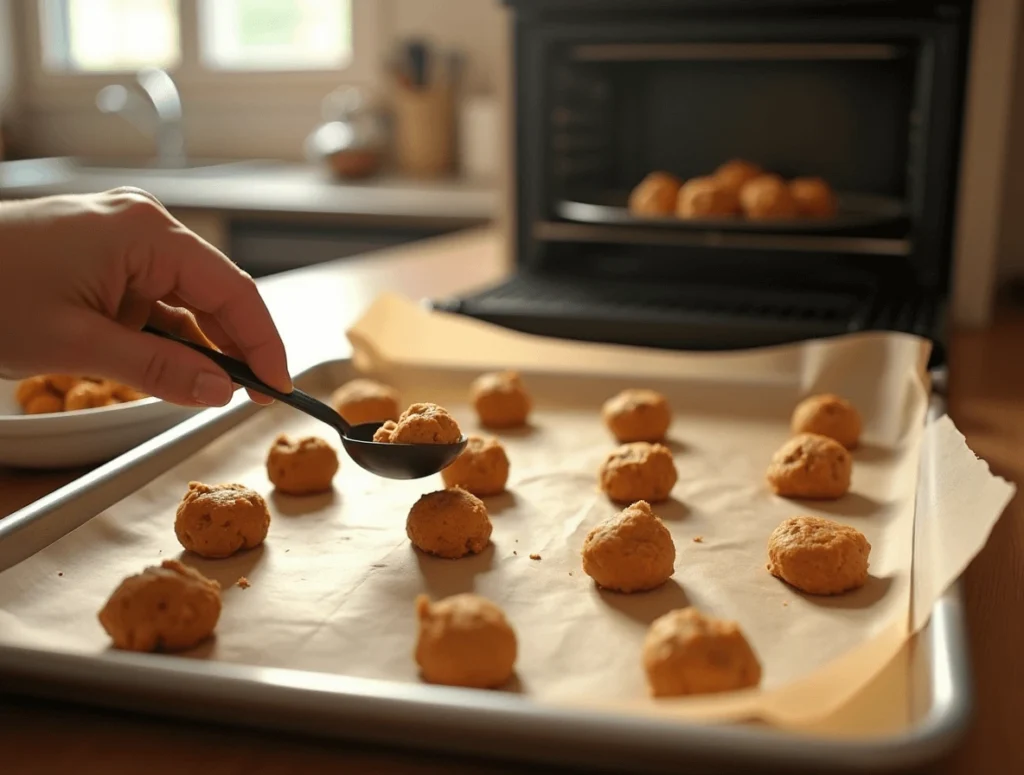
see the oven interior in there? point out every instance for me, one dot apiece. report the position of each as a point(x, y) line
point(865, 97)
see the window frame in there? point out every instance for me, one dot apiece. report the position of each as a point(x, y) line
point(196, 83)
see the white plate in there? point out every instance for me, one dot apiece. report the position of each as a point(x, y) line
point(80, 438)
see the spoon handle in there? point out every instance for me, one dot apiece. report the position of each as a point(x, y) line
point(240, 372)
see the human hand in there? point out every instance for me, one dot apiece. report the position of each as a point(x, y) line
point(80, 276)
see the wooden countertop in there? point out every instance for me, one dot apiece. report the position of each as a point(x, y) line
point(313, 307)
point(267, 188)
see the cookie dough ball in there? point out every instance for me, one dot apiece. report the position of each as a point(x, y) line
point(500, 399)
point(638, 472)
point(169, 608)
point(814, 198)
point(767, 198)
point(464, 640)
point(828, 415)
point(818, 556)
point(125, 394)
point(630, 552)
point(301, 466)
point(810, 466)
point(734, 174)
point(421, 424)
point(217, 520)
point(481, 469)
point(449, 523)
point(637, 415)
point(686, 652)
point(706, 198)
point(655, 195)
point(362, 401)
point(89, 395)
point(38, 395)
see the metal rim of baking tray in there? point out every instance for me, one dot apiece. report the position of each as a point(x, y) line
point(856, 211)
point(491, 724)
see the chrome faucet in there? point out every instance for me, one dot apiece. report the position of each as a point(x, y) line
point(165, 101)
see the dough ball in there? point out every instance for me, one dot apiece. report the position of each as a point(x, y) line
point(125, 393)
point(686, 652)
point(706, 198)
point(421, 424)
point(767, 198)
point(638, 472)
point(301, 466)
point(89, 395)
point(734, 174)
point(481, 469)
point(217, 520)
point(630, 552)
point(464, 640)
point(44, 403)
point(362, 401)
point(170, 608)
point(828, 415)
point(655, 195)
point(813, 197)
point(500, 399)
point(449, 523)
point(810, 466)
point(637, 415)
point(818, 556)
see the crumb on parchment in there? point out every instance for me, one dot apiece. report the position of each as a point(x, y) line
point(60, 573)
point(698, 539)
point(534, 556)
point(243, 582)
point(515, 552)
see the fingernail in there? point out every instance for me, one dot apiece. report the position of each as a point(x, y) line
point(212, 389)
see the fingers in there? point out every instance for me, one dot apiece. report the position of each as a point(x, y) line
point(182, 322)
point(156, 366)
point(168, 259)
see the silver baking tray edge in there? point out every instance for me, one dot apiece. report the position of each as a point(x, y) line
point(491, 724)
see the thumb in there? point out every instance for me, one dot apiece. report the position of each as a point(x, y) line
point(156, 366)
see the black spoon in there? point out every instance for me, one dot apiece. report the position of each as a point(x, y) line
point(392, 461)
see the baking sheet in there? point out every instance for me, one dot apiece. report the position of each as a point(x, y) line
point(332, 589)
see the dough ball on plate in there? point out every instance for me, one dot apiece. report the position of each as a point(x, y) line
point(734, 174)
point(481, 469)
point(217, 520)
point(167, 608)
point(767, 198)
point(814, 198)
point(655, 195)
point(686, 652)
point(706, 198)
point(630, 552)
point(301, 466)
point(449, 523)
point(464, 640)
point(638, 472)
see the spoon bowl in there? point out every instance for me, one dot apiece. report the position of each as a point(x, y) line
point(398, 461)
point(391, 461)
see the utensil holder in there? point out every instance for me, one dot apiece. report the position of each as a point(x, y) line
point(424, 131)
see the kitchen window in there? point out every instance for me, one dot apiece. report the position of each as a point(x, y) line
point(252, 50)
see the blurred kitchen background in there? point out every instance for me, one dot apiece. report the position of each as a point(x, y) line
point(291, 132)
point(286, 132)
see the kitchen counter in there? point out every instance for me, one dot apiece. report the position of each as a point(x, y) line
point(266, 188)
point(313, 307)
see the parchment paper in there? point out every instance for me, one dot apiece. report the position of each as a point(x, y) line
point(333, 587)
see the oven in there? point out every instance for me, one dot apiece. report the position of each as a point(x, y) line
point(864, 96)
